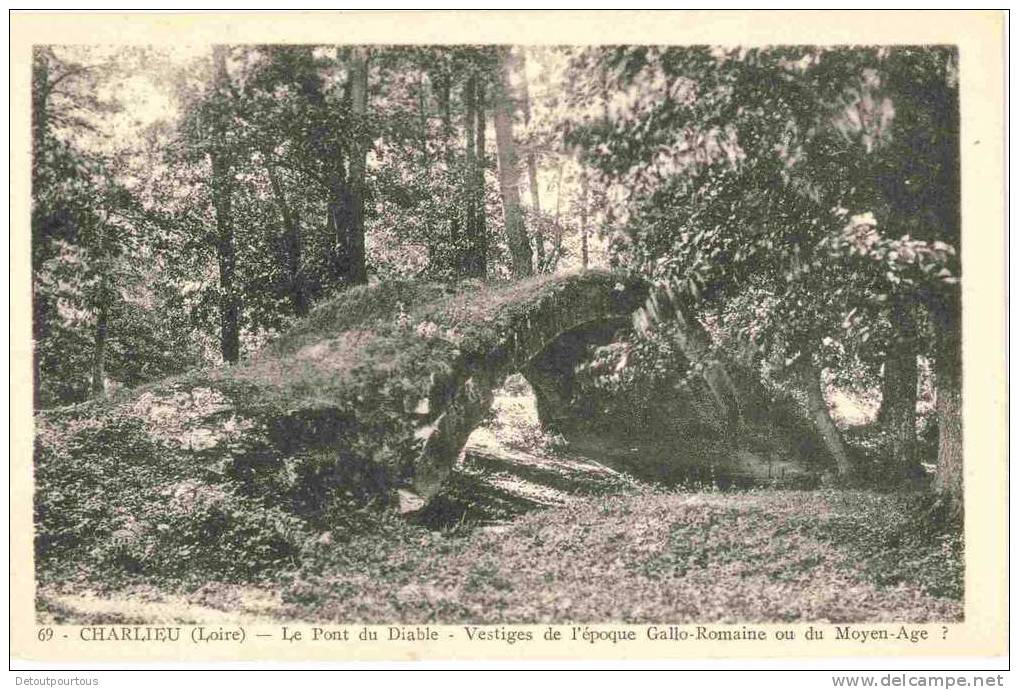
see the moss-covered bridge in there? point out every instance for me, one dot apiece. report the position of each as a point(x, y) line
point(370, 397)
point(375, 391)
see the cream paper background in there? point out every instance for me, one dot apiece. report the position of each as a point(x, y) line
point(979, 36)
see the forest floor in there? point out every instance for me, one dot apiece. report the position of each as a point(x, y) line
point(529, 533)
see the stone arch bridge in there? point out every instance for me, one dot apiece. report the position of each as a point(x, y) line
point(376, 390)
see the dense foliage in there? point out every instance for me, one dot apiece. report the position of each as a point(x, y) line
point(190, 203)
point(337, 226)
point(804, 201)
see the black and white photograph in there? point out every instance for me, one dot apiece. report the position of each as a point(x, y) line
point(497, 334)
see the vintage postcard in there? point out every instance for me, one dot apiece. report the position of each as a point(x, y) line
point(507, 335)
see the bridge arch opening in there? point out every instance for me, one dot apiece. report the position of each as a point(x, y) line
point(543, 345)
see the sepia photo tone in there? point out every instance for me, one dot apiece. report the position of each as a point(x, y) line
point(497, 334)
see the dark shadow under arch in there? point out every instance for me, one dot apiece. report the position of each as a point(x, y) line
point(542, 344)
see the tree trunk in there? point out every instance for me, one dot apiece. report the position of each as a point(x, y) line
point(509, 175)
point(331, 157)
point(443, 90)
point(898, 410)
point(464, 245)
point(898, 398)
point(292, 242)
point(583, 220)
point(473, 246)
point(424, 160)
point(481, 223)
point(532, 171)
point(356, 267)
point(222, 190)
point(557, 246)
point(226, 253)
point(810, 378)
point(948, 478)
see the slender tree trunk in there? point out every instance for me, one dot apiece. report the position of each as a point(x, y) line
point(465, 244)
point(356, 267)
point(443, 88)
point(509, 175)
point(557, 223)
point(222, 190)
point(539, 239)
point(810, 379)
point(532, 171)
point(473, 248)
point(481, 224)
point(226, 253)
point(425, 162)
point(583, 220)
point(292, 242)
